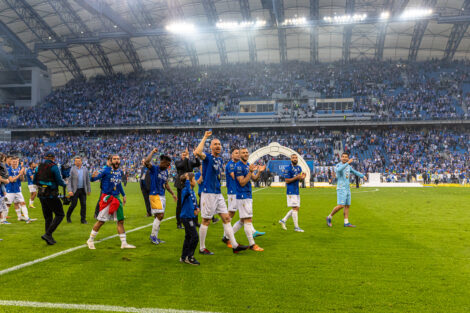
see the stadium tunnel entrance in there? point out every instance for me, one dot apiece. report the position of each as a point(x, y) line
point(275, 149)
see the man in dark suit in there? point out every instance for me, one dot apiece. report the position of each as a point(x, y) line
point(184, 165)
point(145, 187)
point(79, 187)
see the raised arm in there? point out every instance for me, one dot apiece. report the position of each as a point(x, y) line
point(357, 173)
point(148, 159)
point(200, 148)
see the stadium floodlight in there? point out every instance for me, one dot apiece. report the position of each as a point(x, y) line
point(296, 21)
point(345, 19)
point(181, 28)
point(240, 25)
point(416, 13)
point(384, 15)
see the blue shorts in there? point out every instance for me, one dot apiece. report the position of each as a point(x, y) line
point(344, 197)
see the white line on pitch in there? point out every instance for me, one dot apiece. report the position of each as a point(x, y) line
point(17, 267)
point(90, 307)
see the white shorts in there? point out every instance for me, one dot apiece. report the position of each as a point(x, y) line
point(245, 208)
point(293, 201)
point(3, 206)
point(232, 203)
point(104, 215)
point(14, 198)
point(211, 204)
point(32, 188)
point(157, 203)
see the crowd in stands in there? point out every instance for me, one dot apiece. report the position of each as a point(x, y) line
point(388, 90)
point(404, 152)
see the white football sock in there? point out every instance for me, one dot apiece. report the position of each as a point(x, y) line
point(155, 227)
point(229, 231)
point(123, 238)
point(295, 218)
point(202, 236)
point(18, 212)
point(289, 214)
point(93, 235)
point(253, 230)
point(24, 209)
point(346, 221)
point(249, 233)
point(225, 235)
point(237, 226)
point(30, 202)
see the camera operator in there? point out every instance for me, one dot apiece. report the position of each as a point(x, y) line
point(48, 179)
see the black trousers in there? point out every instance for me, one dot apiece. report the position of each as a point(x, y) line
point(178, 206)
point(145, 194)
point(191, 238)
point(79, 194)
point(50, 207)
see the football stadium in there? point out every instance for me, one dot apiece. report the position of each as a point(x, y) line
point(234, 156)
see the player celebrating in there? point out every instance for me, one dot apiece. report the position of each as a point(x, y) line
point(212, 200)
point(343, 171)
point(33, 189)
point(13, 189)
point(244, 174)
point(111, 206)
point(293, 175)
point(158, 183)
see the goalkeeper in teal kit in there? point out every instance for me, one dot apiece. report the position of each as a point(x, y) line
point(343, 171)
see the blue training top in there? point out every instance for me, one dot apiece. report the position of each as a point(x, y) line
point(188, 201)
point(110, 181)
point(212, 168)
point(290, 172)
point(242, 169)
point(231, 185)
point(343, 172)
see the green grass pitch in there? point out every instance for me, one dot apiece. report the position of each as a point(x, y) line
point(409, 253)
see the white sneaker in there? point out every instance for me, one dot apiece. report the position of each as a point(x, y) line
point(283, 224)
point(127, 246)
point(91, 244)
point(21, 218)
point(299, 230)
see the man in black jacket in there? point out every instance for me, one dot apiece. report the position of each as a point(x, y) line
point(145, 187)
point(48, 179)
point(184, 165)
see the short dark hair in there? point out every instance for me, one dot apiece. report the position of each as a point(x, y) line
point(233, 149)
point(110, 157)
point(164, 157)
point(347, 153)
point(183, 177)
point(31, 163)
point(77, 157)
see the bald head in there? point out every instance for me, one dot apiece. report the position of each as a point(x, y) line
point(216, 146)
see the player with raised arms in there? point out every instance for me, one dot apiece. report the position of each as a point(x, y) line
point(343, 171)
point(212, 200)
point(158, 184)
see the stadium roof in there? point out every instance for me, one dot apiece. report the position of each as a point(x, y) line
point(106, 36)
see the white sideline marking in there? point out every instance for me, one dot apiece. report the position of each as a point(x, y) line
point(90, 307)
point(17, 267)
